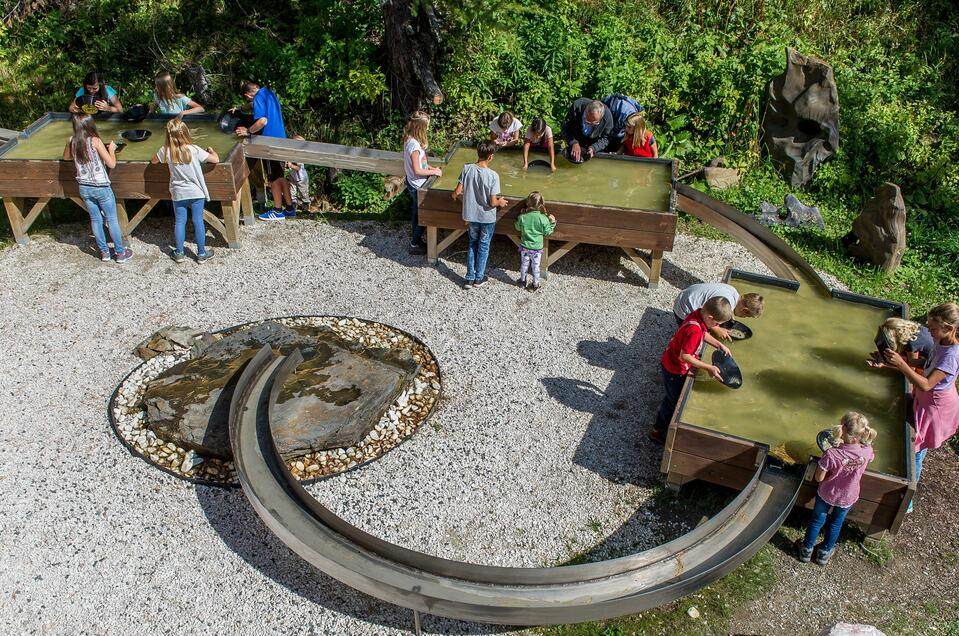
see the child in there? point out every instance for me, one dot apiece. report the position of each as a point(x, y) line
point(92, 159)
point(169, 101)
point(935, 401)
point(299, 181)
point(478, 188)
point(418, 171)
point(540, 137)
point(838, 474)
point(683, 353)
point(749, 305)
point(504, 130)
point(639, 140)
point(908, 338)
point(105, 97)
point(533, 225)
point(187, 186)
point(268, 121)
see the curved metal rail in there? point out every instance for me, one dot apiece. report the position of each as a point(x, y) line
point(504, 595)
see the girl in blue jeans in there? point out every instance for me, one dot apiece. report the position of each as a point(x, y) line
point(187, 186)
point(839, 472)
point(92, 159)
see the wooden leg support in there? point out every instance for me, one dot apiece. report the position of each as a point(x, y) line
point(19, 222)
point(544, 261)
point(141, 214)
point(123, 219)
point(230, 227)
point(246, 203)
point(438, 248)
point(652, 266)
point(432, 254)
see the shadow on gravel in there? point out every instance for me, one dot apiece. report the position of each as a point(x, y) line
point(231, 516)
point(677, 276)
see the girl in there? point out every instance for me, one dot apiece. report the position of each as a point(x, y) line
point(540, 137)
point(935, 401)
point(92, 159)
point(187, 185)
point(417, 171)
point(504, 130)
point(839, 471)
point(105, 98)
point(533, 225)
point(169, 101)
point(639, 140)
point(908, 338)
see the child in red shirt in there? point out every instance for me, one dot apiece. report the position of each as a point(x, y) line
point(682, 353)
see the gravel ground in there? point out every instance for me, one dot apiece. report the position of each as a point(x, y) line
point(536, 451)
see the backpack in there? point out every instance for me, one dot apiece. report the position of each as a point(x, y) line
point(621, 107)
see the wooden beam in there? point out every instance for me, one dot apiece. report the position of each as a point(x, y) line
point(34, 213)
point(560, 252)
point(140, 215)
point(330, 155)
point(449, 240)
point(14, 207)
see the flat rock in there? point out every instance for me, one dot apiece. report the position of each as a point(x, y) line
point(721, 178)
point(173, 338)
point(851, 629)
point(189, 403)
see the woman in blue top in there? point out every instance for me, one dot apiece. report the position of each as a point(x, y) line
point(105, 98)
point(168, 101)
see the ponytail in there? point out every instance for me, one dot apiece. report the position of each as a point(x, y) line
point(854, 428)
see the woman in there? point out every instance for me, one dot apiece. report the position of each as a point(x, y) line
point(105, 98)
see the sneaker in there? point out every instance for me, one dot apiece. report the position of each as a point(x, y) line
point(535, 287)
point(521, 282)
point(416, 248)
point(468, 284)
point(106, 256)
point(658, 436)
point(178, 257)
point(481, 282)
point(805, 556)
point(273, 215)
point(125, 255)
point(290, 213)
point(822, 557)
point(202, 258)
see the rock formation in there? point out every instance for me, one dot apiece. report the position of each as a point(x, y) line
point(793, 214)
point(878, 234)
point(800, 127)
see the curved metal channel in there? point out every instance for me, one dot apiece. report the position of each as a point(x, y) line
point(522, 596)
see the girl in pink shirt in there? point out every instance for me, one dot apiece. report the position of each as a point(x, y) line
point(839, 472)
point(935, 401)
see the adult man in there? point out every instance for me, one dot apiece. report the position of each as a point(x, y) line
point(268, 121)
point(586, 129)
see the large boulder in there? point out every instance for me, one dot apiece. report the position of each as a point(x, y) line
point(878, 234)
point(800, 127)
point(335, 397)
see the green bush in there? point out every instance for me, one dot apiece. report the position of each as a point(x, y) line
point(360, 191)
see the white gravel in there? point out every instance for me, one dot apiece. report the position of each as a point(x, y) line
point(536, 451)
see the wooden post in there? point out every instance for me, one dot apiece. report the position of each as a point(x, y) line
point(231, 223)
point(246, 203)
point(432, 234)
point(123, 219)
point(655, 268)
point(14, 207)
point(544, 260)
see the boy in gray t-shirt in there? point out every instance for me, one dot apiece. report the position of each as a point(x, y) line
point(478, 188)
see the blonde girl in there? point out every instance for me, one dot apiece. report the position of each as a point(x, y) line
point(169, 101)
point(418, 171)
point(839, 472)
point(92, 159)
point(187, 186)
point(639, 140)
point(909, 338)
point(533, 225)
point(504, 130)
point(935, 401)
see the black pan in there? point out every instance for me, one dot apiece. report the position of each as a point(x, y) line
point(85, 104)
point(737, 330)
point(732, 376)
point(539, 165)
point(137, 113)
point(825, 441)
point(231, 119)
point(140, 134)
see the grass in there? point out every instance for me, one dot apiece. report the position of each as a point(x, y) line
point(878, 552)
point(929, 618)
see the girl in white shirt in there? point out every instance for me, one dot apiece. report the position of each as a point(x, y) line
point(504, 130)
point(418, 171)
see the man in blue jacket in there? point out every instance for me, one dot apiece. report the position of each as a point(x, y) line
point(586, 129)
point(268, 121)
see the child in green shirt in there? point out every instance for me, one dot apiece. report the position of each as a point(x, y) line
point(534, 224)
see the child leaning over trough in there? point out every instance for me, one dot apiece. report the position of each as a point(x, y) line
point(92, 159)
point(935, 401)
point(909, 338)
point(187, 186)
point(504, 130)
point(169, 101)
point(417, 171)
point(682, 354)
point(839, 471)
point(749, 305)
point(539, 136)
point(299, 182)
point(478, 187)
point(534, 224)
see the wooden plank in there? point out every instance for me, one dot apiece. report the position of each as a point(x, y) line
point(559, 252)
point(123, 190)
point(35, 211)
point(14, 207)
point(640, 261)
point(140, 215)
point(246, 202)
point(449, 240)
point(656, 267)
point(231, 223)
point(576, 233)
point(330, 155)
point(136, 171)
point(716, 446)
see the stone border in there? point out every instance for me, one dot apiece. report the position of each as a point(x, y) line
point(410, 410)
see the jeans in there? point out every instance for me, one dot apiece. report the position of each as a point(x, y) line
point(418, 229)
point(832, 517)
point(195, 206)
point(920, 455)
point(102, 205)
point(673, 384)
point(481, 234)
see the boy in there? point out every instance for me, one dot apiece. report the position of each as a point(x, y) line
point(695, 296)
point(268, 121)
point(682, 353)
point(299, 182)
point(478, 188)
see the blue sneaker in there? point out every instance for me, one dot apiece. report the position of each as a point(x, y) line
point(273, 215)
point(290, 213)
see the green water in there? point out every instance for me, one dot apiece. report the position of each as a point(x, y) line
point(48, 142)
point(802, 369)
point(599, 181)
